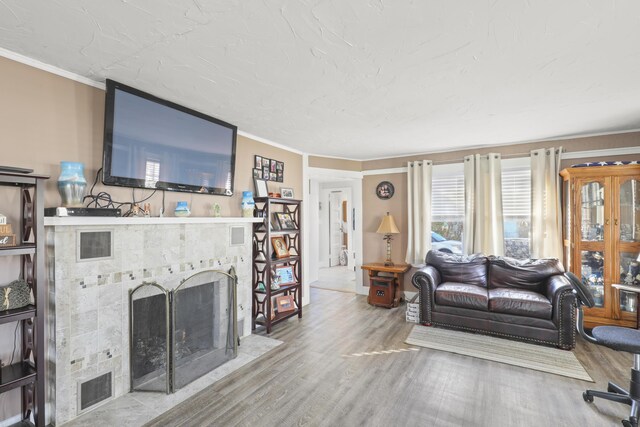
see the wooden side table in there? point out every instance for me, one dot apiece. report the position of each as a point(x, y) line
point(385, 290)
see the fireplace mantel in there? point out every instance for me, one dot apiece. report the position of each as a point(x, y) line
point(88, 298)
point(106, 220)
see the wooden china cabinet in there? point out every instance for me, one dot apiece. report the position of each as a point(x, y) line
point(602, 238)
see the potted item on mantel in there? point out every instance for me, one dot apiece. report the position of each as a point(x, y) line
point(247, 204)
point(71, 184)
point(182, 209)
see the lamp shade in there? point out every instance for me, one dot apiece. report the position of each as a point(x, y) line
point(388, 225)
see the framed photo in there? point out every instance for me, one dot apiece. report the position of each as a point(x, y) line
point(285, 303)
point(275, 225)
point(257, 173)
point(273, 176)
point(279, 247)
point(286, 193)
point(279, 176)
point(279, 166)
point(261, 187)
point(273, 310)
point(257, 164)
point(285, 275)
point(273, 166)
point(265, 173)
point(285, 221)
point(385, 190)
point(265, 163)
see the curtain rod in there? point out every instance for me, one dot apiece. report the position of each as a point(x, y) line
point(506, 156)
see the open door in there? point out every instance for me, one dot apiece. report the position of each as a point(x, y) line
point(335, 227)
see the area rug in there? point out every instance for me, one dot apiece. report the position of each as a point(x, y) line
point(530, 356)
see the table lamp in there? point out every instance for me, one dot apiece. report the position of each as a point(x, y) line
point(388, 227)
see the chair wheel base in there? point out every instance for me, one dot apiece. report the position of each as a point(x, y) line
point(630, 423)
point(587, 397)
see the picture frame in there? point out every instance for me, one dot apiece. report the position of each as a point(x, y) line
point(285, 275)
point(280, 166)
point(257, 164)
point(285, 221)
point(275, 225)
point(280, 248)
point(273, 176)
point(266, 163)
point(385, 190)
point(286, 193)
point(285, 303)
point(257, 173)
point(265, 173)
point(261, 187)
point(279, 176)
point(273, 166)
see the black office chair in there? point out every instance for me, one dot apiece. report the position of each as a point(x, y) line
point(617, 338)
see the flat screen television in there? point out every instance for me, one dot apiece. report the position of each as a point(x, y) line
point(153, 143)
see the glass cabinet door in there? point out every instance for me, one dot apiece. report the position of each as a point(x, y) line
point(629, 211)
point(630, 276)
point(628, 228)
point(592, 273)
point(592, 212)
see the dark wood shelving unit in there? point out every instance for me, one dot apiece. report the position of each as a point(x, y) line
point(25, 249)
point(28, 372)
point(17, 375)
point(265, 262)
point(17, 314)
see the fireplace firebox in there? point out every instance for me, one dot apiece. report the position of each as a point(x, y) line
point(179, 335)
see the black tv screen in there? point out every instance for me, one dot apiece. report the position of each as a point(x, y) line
point(153, 143)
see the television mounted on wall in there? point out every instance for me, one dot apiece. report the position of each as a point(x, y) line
point(156, 144)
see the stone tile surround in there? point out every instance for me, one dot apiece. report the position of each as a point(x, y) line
point(138, 408)
point(88, 331)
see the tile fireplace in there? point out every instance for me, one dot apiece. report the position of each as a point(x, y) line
point(89, 317)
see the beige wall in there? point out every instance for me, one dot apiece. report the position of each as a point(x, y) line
point(333, 163)
point(46, 119)
point(375, 249)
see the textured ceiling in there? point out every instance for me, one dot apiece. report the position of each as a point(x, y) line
point(358, 79)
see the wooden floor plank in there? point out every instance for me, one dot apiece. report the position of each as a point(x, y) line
point(312, 380)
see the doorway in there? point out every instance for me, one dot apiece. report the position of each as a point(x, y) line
point(335, 217)
point(335, 231)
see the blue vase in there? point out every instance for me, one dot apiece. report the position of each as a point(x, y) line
point(247, 204)
point(71, 184)
point(182, 209)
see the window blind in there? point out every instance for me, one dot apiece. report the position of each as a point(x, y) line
point(447, 198)
point(516, 192)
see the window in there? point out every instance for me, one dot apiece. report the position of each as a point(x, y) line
point(447, 208)
point(516, 208)
point(151, 173)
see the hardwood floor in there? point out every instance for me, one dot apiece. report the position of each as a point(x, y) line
point(311, 380)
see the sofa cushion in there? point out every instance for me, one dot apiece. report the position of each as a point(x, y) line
point(520, 302)
point(471, 269)
point(527, 274)
point(462, 295)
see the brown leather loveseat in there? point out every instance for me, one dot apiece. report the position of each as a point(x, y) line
point(526, 300)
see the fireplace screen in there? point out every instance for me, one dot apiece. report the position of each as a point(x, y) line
point(200, 317)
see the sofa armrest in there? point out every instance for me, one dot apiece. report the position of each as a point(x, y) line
point(426, 280)
point(563, 300)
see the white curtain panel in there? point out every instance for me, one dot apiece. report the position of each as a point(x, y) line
point(419, 175)
point(483, 222)
point(546, 214)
